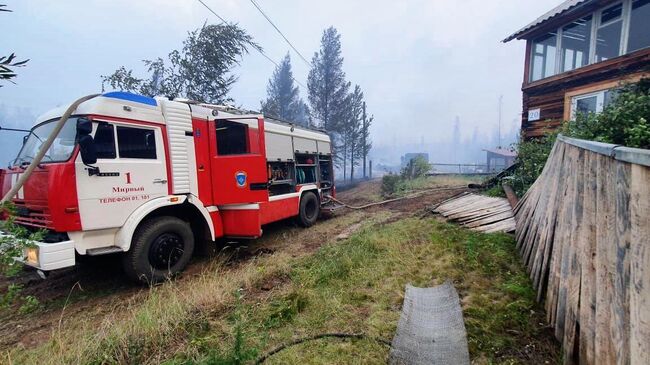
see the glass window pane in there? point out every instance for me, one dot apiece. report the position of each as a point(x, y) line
point(639, 26)
point(611, 14)
point(576, 38)
point(543, 63)
point(105, 141)
point(232, 138)
point(587, 105)
point(136, 143)
point(608, 40)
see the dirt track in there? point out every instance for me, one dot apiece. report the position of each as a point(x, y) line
point(96, 287)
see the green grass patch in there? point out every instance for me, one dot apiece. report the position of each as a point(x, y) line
point(357, 286)
point(353, 286)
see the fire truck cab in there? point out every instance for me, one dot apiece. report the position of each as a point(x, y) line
point(152, 177)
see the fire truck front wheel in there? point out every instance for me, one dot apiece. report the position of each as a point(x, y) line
point(309, 210)
point(161, 248)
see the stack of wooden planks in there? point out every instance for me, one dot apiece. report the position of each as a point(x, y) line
point(478, 212)
point(583, 231)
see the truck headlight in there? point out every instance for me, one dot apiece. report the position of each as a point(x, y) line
point(32, 255)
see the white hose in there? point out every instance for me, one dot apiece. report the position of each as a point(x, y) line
point(44, 148)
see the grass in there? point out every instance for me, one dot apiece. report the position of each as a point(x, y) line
point(353, 286)
point(407, 186)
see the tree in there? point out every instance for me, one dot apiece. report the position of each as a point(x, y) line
point(8, 63)
point(283, 97)
point(326, 84)
point(201, 70)
point(352, 145)
point(366, 144)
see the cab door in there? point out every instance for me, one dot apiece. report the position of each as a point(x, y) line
point(238, 162)
point(130, 171)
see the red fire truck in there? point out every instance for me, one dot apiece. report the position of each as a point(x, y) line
point(153, 177)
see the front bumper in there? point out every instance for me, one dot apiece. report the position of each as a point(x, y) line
point(49, 256)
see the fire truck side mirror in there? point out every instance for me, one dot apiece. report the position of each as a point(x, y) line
point(87, 149)
point(86, 142)
point(84, 127)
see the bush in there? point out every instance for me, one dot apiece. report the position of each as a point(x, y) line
point(416, 167)
point(531, 158)
point(626, 121)
point(389, 184)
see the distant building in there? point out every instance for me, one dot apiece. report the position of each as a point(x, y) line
point(409, 156)
point(577, 54)
point(499, 159)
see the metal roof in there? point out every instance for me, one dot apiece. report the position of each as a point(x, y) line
point(561, 9)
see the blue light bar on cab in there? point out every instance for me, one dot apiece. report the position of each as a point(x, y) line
point(131, 97)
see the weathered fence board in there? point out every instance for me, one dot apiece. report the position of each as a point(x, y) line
point(583, 231)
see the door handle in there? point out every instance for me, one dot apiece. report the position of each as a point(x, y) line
point(159, 181)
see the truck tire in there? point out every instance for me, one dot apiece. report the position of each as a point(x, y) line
point(309, 210)
point(161, 248)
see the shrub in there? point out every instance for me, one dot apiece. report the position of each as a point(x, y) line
point(389, 184)
point(626, 121)
point(416, 167)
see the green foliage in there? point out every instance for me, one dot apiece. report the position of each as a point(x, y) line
point(326, 83)
point(201, 70)
point(626, 121)
point(30, 305)
point(283, 310)
point(283, 97)
point(415, 168)
point(8, 63)
point(531, 158)
point(13, 245)
point(7, 299)
point(389, 184)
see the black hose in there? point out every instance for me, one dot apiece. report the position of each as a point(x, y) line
point(285, 346)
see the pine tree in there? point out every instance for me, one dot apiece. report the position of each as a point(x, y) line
point(283, 99)
point(366, 144)
point(353, 128)
point(327, 86)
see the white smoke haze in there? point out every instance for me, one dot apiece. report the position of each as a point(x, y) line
point(420, 63)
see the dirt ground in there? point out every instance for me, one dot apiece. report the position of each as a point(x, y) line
point(96, 287)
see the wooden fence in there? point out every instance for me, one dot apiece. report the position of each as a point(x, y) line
point(583, 231)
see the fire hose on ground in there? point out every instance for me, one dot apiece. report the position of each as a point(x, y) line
point(409, 196)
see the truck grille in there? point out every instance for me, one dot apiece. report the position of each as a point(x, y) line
point(32, 216)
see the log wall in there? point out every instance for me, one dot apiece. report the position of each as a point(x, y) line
point(551, 94)
point(583, 231)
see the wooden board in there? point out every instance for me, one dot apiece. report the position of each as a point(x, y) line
point(479, 213)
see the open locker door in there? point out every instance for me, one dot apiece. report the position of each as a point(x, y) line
point(238, 163)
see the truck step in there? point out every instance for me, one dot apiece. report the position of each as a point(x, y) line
point(103, 250)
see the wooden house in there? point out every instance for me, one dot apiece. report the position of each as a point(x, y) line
point(577, 54)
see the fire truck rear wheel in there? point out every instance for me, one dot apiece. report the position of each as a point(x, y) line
point(161, 248)
point(309, 210)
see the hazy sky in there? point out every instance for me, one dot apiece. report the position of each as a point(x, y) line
point(419, 63)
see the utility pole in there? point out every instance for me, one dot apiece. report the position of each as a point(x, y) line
point(363, 139)
point(499, 131)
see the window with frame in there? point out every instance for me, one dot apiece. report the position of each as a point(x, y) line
point(576, 38)
point(591, 103)
point(639, 33)
point(136, 142)
point(543, 57)
point(618, 29)
point(232, 138)
point(105, 140)
point(608, 35)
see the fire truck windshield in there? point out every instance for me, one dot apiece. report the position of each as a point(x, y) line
point(61, 148)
